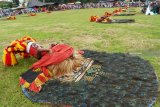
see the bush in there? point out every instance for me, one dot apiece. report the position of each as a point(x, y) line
point(5, 4)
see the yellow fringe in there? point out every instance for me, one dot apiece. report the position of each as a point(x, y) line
point(38, 82)
point(4, 57)
point(44, 76)
point(37, 70)
point(13, 59)
point(16, 46)
point(50, 74)
point(26, 85)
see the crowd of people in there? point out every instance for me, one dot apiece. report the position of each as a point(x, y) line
point(54, 62)
point(102, 5)
point(17, 11)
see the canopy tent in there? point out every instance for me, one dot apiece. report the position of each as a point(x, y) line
point(34, 3)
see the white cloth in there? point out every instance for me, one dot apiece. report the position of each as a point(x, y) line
point(28, 46)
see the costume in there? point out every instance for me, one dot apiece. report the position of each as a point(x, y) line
point(93, 18)
point(52, 65)
point(11, 18)
point(60, 53)
point(32, 49)
point(112, 78)
point(16, 47)
point(106, 17)
point(63, 60)
point(33, 79)
point(25, 47)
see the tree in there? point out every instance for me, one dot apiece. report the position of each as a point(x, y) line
point(16, 1)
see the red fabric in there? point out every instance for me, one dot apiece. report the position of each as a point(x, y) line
point(41, 78)
point(26, 55)
point(59, 53)
point(43, 53)
point(22, 44)
point(33, 52)
point(8, 59)
point(22, 81)
point(34, 88)
point(45, 71)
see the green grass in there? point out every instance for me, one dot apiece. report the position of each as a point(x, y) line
point(73, 27)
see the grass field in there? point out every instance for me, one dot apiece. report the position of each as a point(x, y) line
point(73, 27)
